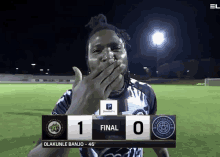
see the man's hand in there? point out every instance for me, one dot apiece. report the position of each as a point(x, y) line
point(161, 152)
point(78, 77)
point(87, 93)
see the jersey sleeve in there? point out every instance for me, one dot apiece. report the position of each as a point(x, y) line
point(61, 107)
point(152, 100)
point(63, 103)
point(150, 96)
point(153, 110)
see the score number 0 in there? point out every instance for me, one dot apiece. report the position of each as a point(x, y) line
point(141, 127)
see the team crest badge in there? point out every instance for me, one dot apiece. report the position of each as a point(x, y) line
point(163, 127)
point(54, 128)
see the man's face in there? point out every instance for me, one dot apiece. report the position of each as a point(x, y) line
point(103, 45)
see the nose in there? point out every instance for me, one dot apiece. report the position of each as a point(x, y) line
point(107, 54)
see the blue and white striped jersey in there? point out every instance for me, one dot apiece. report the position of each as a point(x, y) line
point(138, 98)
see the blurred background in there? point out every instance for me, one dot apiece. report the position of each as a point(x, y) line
point(169, 39)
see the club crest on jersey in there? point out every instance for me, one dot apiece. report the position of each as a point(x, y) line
point(139, 112)
point(136, 112)
point(121, 152)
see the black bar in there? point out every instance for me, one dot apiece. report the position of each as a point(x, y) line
point(108, 144)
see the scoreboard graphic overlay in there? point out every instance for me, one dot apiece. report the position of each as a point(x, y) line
point(109, 131)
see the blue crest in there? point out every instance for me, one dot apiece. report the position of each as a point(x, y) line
point(163, 127)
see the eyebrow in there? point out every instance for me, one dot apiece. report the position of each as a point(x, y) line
point(110, 44)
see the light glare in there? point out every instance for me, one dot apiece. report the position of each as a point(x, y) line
point(158, 38)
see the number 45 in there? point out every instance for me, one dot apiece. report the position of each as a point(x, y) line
point(91, 144)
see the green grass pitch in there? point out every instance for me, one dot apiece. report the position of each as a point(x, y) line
point(197, 109)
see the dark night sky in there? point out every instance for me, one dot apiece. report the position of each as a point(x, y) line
point(52, 34)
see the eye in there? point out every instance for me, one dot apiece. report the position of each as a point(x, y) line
point(96, 51)
point(116, 48)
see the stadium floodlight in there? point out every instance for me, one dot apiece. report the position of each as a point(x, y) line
point(158, 38)
point(33, 66)
point(41, 69)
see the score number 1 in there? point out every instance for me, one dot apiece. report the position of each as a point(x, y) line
point(80, 127)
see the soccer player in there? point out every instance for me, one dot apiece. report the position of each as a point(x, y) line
point(106, 53)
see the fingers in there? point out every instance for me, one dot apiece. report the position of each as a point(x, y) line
point(105, 73)
point(78, 76)
point(113, 75)
point(112, 85)
point(100, 69)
